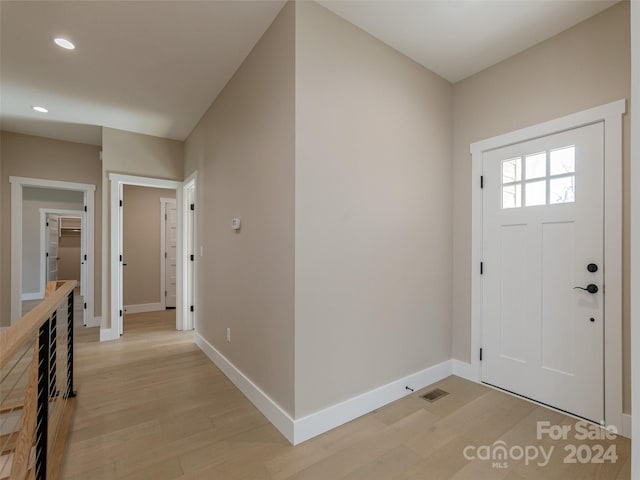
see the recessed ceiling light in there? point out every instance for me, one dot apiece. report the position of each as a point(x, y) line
point(64, 43)
point(40, 109)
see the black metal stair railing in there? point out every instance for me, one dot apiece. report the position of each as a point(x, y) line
point(36, 391)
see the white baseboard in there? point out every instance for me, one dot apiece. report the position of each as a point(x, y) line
point(32, 296)
point(626, 425)
point(143, 307)
point(305, 428)
point(270, 409)
point(107, 334)
point(336, 415)
point(464, 370)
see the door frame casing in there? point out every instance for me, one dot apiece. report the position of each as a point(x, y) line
point(17, 184)
point(611, 116)
point(163, 246)
point(117, 181)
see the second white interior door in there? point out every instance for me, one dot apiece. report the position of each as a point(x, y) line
point(170, 254)
point(52, 248)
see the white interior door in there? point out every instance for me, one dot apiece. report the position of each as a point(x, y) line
point(170, 236)
point(52, 248)
point(191, 250)
point(83, 267)
point(542, 237)
point(83, 256)
point(118, 291)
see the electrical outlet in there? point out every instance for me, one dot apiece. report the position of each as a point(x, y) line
point(228, 334)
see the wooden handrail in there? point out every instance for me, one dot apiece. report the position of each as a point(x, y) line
point(15, 336)
point(35, 449)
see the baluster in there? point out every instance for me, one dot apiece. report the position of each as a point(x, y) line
point(42, 416)
point(70, 392)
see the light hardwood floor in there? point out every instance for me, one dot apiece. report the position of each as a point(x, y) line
point(152, 406)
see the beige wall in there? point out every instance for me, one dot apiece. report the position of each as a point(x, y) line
point(373, 213)
point(133, 154)
point(33, 199)
point(37, 157)
point(143, 155)
point(585, 66)
point(141, 243)
point(243, 149)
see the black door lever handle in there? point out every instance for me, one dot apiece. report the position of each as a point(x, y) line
point(591, 288)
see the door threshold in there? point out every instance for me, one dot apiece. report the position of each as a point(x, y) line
point(546, 405)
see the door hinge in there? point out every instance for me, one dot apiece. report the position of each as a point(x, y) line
point(85, 208)
point(85, 305)
point(481, 181)
point(47, 224)
point(191, 309)
point(193, 206)
point(120, 312)
point(481, 268)
point(165, 254)
point(47, 254)
point(85, 258)
point(120, 202)
point(192, 256)
point(480, 354)
point(121, 258)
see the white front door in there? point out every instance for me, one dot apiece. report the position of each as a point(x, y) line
point(170, 236)
point(52, 248)
point(543, 215)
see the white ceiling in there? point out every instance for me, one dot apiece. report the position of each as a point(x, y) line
point(150, 67)
point(458, 38)
point(154, 67)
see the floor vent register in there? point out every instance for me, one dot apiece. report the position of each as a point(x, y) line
point(434, 395)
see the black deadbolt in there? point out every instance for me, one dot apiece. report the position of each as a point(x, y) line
point(592, 267)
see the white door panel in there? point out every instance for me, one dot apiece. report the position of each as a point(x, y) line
point(190, 247)
point(52, 249)
point(542, 226)
point(170, 254)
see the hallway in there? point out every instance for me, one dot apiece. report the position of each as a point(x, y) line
point(152, 406)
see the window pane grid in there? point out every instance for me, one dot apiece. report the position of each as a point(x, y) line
point(536, 166)
point(541, 178)
point(562, 175)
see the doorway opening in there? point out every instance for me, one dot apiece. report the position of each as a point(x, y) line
point(117, 260)
point(36, 191)
point(62, 245)
point(143, 248)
